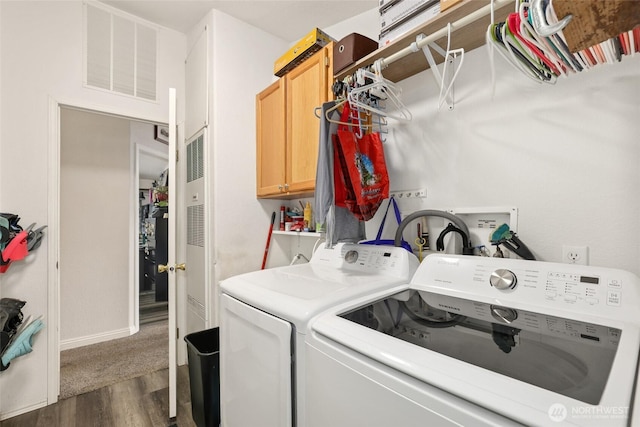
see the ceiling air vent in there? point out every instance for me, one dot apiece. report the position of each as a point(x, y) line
point(120, 53)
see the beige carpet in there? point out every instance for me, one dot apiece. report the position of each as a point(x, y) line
point(89, 368)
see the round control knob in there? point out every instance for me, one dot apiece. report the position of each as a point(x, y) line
point(351, 256)
point(505, 314)
point(503, 279)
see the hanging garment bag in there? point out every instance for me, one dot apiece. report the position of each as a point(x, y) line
point(378, 240)
point(362, 180)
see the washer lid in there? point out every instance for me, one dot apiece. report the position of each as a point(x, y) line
point(517, 363)
point(561, 355)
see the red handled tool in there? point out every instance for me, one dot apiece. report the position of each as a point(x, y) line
point(266, 249)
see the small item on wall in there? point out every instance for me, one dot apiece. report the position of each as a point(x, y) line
point(161, 134)
point(16, 243)
point(161, 195)
point(16, 337)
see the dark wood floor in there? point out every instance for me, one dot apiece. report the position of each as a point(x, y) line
point(139, 402)
point(150, 309)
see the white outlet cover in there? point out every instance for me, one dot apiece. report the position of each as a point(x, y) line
point(575, 254)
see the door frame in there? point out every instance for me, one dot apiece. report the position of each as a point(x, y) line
point(137, 149)
point(53, 233)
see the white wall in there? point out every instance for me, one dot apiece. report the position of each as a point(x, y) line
point(142, 134)
point(95, 206)
point(241, 220)
point(367, 23)
point(41, 54)
point(242, 65)
point(565, 155)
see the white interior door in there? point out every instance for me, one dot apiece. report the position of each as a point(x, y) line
point(172, 265)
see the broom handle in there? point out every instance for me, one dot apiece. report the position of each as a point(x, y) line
point(266, 249)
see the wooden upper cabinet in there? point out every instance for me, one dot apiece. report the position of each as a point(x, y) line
point(306, 90)
point(270, 140)
point(290, 133)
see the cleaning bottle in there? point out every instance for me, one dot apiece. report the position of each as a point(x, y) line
point(281, 218)
point(307, 217)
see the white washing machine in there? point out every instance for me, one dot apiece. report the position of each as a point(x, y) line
point(264, 317)
point(477, 341)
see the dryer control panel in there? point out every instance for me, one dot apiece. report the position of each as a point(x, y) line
point(387, 260)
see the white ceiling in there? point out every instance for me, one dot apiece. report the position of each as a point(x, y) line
point(289, 20)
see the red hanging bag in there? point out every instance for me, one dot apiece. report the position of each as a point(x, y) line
point(360, 170)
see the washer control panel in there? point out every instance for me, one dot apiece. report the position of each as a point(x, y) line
point(503, 279)
point(588, 289)
point(560, 285)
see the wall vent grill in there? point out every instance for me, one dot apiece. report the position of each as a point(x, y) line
point(120, 53)
point(195, 225)
point(195, 159)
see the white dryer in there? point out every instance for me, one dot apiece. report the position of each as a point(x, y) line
point(480, 341)
point(264, 317)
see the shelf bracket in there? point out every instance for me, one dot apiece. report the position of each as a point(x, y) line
point(445, 80)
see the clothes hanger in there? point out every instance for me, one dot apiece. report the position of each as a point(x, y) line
point(531, 58)
point(339, 104)
point(515, 26)
point(382, 89)
point(356, 116)
point(340, 90)
point(538, 10)
point(496, 36)
point(379, 122)
point(521, 53)
point(543, 18)
point(542, 43)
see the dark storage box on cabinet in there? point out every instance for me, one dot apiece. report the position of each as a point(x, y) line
point(203, 353)
point(350, 49)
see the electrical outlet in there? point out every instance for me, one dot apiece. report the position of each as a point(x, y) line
point(575, 254)
point(410, 194)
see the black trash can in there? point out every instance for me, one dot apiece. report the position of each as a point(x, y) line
point(203, 352)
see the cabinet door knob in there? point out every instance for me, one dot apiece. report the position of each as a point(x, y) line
point(162, 268)
point(182, 266)
point(280, 187)
point(286, 187)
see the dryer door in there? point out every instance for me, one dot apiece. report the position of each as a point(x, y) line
point(255, 367)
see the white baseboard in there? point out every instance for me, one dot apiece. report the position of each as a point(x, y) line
point(7, 415)
point(94, 339)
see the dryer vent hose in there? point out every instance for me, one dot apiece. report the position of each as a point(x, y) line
point(466, 250)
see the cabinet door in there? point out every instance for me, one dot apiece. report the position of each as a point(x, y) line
point(271, 139)
point(306, 89)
